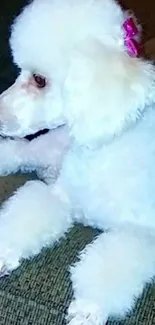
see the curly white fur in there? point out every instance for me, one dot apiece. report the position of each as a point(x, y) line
point(98, 160)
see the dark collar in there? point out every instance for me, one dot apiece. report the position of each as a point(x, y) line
point(37, 134)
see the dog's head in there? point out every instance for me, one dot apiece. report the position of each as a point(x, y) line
point(75, 69)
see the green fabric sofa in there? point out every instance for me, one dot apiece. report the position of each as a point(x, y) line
point(39, 292)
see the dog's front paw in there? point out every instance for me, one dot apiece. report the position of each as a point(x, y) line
point(84, 320)
point(8, 262)
point(83, 313)
point(4, 270)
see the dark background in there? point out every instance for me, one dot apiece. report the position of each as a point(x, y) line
point(8, 11)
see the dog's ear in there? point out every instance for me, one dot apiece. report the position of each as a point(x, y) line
point(105, 90)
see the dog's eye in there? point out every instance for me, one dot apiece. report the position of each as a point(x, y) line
point(39, 80)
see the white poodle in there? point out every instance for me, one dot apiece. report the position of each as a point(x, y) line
point(81, 78)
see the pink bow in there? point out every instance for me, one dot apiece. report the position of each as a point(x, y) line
point(131, 31)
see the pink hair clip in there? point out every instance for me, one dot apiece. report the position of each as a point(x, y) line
point(131, 32)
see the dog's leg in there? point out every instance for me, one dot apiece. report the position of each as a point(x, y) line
point(11, 153)
point(43, 154)
point(111, 273)
point(46, 153)
point(36, 216)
